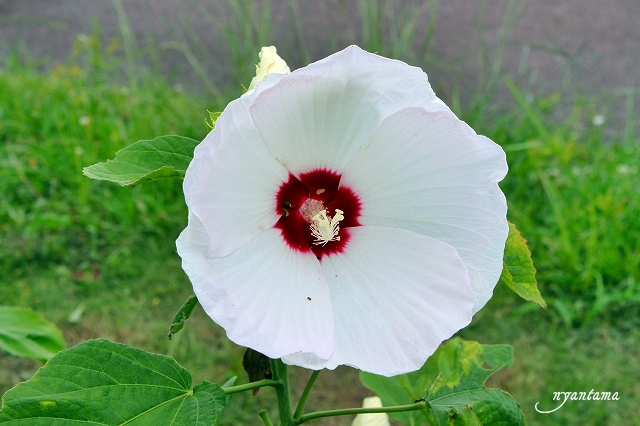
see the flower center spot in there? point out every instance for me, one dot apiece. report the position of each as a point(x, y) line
point(311, 212)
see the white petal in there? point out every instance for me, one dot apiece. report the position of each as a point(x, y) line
point(265, 295)
point(317, 116)
point(396, 296)
point(428, 172)
point(232, 181)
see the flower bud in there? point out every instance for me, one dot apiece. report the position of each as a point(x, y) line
point(270, 62)
point(371, 419)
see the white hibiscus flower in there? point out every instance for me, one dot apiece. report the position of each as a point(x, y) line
point(341, 214)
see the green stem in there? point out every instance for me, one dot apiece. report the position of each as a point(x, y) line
point(395, 409)
point(281, 376)
point(265, 418)
point(249, 386)
point(305, 394)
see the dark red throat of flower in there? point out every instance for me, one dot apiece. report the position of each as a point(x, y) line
point(316, 212)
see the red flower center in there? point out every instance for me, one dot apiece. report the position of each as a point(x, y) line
point(300, 199)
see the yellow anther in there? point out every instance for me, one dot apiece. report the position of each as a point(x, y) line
point(325, 228)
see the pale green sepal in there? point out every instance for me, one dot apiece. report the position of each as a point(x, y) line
point(213, 117)
point(182, 315)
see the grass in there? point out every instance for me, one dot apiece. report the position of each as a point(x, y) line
point(550, 357)
point(573, 197)
point(51, 213)
point(70, 243)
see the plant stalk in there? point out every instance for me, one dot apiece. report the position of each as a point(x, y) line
point(305, 394)
point(265, 418)
point(281, 377)
point(347, 411)
point(249, 386)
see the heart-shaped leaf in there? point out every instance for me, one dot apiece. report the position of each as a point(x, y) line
point(99, 382)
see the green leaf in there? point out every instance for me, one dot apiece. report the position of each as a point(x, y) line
point(477, 407)
point(182, 315)
point(478, 362)
point(518, 272)
point(25, 333)
point(407, 388)
point(448, 365)
point(104, 383)
point(228, 384)
point(467, 402)
point(457, 366)
point(144, 161)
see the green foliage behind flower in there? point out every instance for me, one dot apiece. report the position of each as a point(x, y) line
point(51, 126)
point(574, 198)
point(90, 240)
point(24, 333)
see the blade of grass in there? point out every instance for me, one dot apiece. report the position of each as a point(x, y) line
point(130, 43)
point(526, 108)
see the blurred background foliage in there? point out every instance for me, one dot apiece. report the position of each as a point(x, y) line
point(99, 260)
